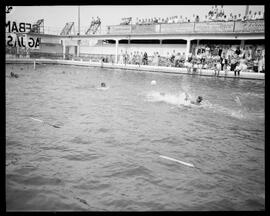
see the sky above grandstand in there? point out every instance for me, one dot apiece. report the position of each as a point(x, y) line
point(55, 17)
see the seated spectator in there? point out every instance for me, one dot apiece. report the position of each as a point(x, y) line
point(225, 18)
point(260, 15)
point(215, 9)
point(231, 18)
point(177, 60)
point(211, 12)
point(249, 15)
point(244, 18)
point(172, 56)
point(175, 19)
point(98, 20)
point(239, 17)
point(221, 11)
point(237, 51)
point(255, 64)
point(261, 64)
point(137, 21)
point(197, 19)
point(254, 17)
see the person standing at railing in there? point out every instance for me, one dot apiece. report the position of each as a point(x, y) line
point(121, 59)
point(125, 58)
point(168, 62)
point(130, 58)
point(221, 10)
point(211, 13)
point(224, 61)
point(145, 58)
point(261, 64)
point(172, 57)
point(239, 17)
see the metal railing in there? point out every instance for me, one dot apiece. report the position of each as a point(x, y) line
point(251, 26)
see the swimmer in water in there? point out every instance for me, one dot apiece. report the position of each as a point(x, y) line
point(103, 85)
point(197, 102)
point(14, 75)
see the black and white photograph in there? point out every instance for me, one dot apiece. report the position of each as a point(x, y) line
point(135, 108)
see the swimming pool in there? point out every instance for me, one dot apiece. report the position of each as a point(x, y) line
point(106, 154)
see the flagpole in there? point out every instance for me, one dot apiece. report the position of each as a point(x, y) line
point(78, 20)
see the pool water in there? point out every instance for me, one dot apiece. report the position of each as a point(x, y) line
point(105, 155)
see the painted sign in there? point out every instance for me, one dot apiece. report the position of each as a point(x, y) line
point(22, 27)
point(177, 28)
point(16, 35)
point(249, 26)
point(22, 41)
point(214, 27)
point(120, 29)
point(143, 29)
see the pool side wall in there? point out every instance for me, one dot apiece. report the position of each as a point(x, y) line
point(145, 68)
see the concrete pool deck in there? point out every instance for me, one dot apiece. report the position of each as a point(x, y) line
point(146, 68)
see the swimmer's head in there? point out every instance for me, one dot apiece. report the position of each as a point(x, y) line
point(199, 99)
point(103, 84)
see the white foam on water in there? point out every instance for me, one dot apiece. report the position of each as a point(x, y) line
point(103, 88)
point(237, 100)
point(174, 99)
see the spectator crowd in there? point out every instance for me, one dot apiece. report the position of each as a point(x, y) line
point(209, 57)
point(216, 13)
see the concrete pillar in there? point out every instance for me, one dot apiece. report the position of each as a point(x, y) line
point(78, 48)
point(187, 48)
point(160, 47)
point(242, 44)
point(116, 51)
point(64, 49)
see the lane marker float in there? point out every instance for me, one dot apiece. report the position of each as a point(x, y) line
point(35, 119)
point(172, 159)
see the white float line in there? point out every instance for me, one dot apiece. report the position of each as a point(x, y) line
point(35, 119)
point(172, 159)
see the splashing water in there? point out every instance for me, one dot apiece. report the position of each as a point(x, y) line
point(180, 100)
point(174, 99)
point(237, 100)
